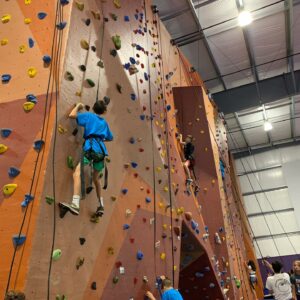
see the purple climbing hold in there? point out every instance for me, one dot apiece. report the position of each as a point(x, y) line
point(28, 198)
point(18, 240)
point(42, 15)
point(133, 97)
point(30, 42)
point(61, 25)
point(5, 78)
point(132, 140)
point(146, 76)
point(126, 226)
point(134, 164)
point(136, 16)
point(168, 107)
point(126, 18)
point(31, 98)
point(5, 132)
point(124, 191)
point(127, 66)
point(164, 235)
point(139, 255)
point(13, 172)
point(142, 117)
point(148, 200)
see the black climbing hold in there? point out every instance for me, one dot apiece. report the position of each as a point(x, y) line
point(64, 2)
point(106, 100)
point(119, 88)
point(94, 285)
point(81, 241)
point(100, 64)
point(82, 68)
point(75, 131)
point(62, 210)
point(87, 22)
point(106, 19)
point(113, 52)
point(93, 48)
point(87, 107)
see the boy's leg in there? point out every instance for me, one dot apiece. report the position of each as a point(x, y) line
point(187, 170)
point(98, 167)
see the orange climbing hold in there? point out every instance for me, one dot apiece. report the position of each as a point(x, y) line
point(8, 189)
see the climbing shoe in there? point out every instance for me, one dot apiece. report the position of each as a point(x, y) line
point(100, 211)
point(74, 209)
point(117, 41)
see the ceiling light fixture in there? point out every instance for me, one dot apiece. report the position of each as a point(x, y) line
point(245, 18)
point(268, 126)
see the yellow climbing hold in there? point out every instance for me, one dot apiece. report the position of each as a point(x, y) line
point(4, 42)
point(96, 14)
point(175, 268)
point(166, 189)
point(163, 256)
point(61, 129)
point(32, 72)
point(84, 45)
point(3, 148)
point(22, 48)
point(160, 205)
point(158, 169)
point(27, 2)
point(165, 226)
point(8, 189)
point(117, 3)
point(5, 19)
point(27, 21)
point(79, 5)
point(110, 251)
point(28, 106)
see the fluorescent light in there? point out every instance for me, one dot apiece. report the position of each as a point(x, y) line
point(268, 126)
point(245, 18)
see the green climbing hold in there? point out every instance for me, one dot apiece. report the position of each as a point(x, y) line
point(49, 200)
point(115, 279)
point(117, 41)
point(60, 297)
point(84, 45)
point(70, 162)
point(56, 254)
point(69, 76)
point(79, 5)
point(90, 82)
point(114, 17)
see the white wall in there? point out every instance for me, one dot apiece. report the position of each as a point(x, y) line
point(283, 197)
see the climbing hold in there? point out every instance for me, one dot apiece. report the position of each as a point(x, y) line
point(115, 279)
point(27, 21)
point(61, 129)
point(117, 41)
point(79, 5)
point(28, 106)
point(87, 22)
point(28, 198)
point(96, 14)
point(126, 19)
point(163, 256)
point(146, 76)
point(69, 76)
point(5, 132)
point(165, 226)
point(134, 164)
point(60, 297)
point(32, 72)
point(18, 240)
point(62, 2)
point(42, 15)
point(22, 49)
point(100, 64)
point(133, 70)
point(148, 200)
point(12, 171)
point(117, 3)
point(5, 78)
point(31, 98)
point(113, 198)
point(94, 285)
point(113, 52)
point(188, 216)
point(4, 42)
point(30, 42)
point(70, 162)
point(132, 60)
point(177, 230)
point(8, 189)
point(56, 254)
point(217, 239)
point(47, 59)
point(145, 279)
point(84, 45)
point(133, 97)
point(61, 25)
point(5, 18)
point(128, 212)
point(212, 285)
point(194, 224)
point(93, 48)
point(79, 262)
point(142, 117)
point(168, 107)
point(114, 16)
point(38, 145)
point(49, 200)
point(119, 88)
point(126, 226)
point(139, 255)
point(90, 82)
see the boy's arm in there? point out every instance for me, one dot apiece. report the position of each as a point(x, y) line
point(75, 110)
point(179, 138)
point(150, 295)
point(268, 265)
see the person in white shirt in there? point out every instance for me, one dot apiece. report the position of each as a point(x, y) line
point(279, 284)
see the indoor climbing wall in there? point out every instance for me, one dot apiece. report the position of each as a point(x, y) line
point(116, 49)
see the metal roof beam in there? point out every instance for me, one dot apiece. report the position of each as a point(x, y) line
point(263, 237)
point(271, 212)
point(174, 15)
point(265, 191)
point(240, 126)
point(203, 3)
point(260, 170)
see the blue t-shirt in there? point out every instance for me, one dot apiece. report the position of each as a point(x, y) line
point(171, 294)
point(94, 125)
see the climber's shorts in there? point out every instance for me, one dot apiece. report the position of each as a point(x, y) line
point(99, 166)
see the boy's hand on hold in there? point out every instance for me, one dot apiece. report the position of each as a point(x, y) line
point(80, 106)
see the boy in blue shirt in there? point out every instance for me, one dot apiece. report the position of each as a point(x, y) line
point(169, 293)
point(96, 131)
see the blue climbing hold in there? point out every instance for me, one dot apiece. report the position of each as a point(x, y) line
point(194, 225)
point(133, 97)
point(5, 78)
point(61, 25)
point(207, 269)
point(64, 2)
point(30, 42)
point(139, 255)
point(199, 275)
point(138, 47)
point(124, 191)
point(126, 18)
point(47, 59)
point(126, 226)
point(42, 15)
point(132, 60)
point(37, 145)
point(136, 16)
point(168, 107)
point(13, 172)
point(142, 15)
point(206, 229)
point(28, 198)
point(132, 140)
point(31, 98)
point(148, 200)
point(134, 164)
point(127, 66)
point(142, 117)
point(146, 76)
point(197, 231)
point(18, 240)
point(5, 132)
